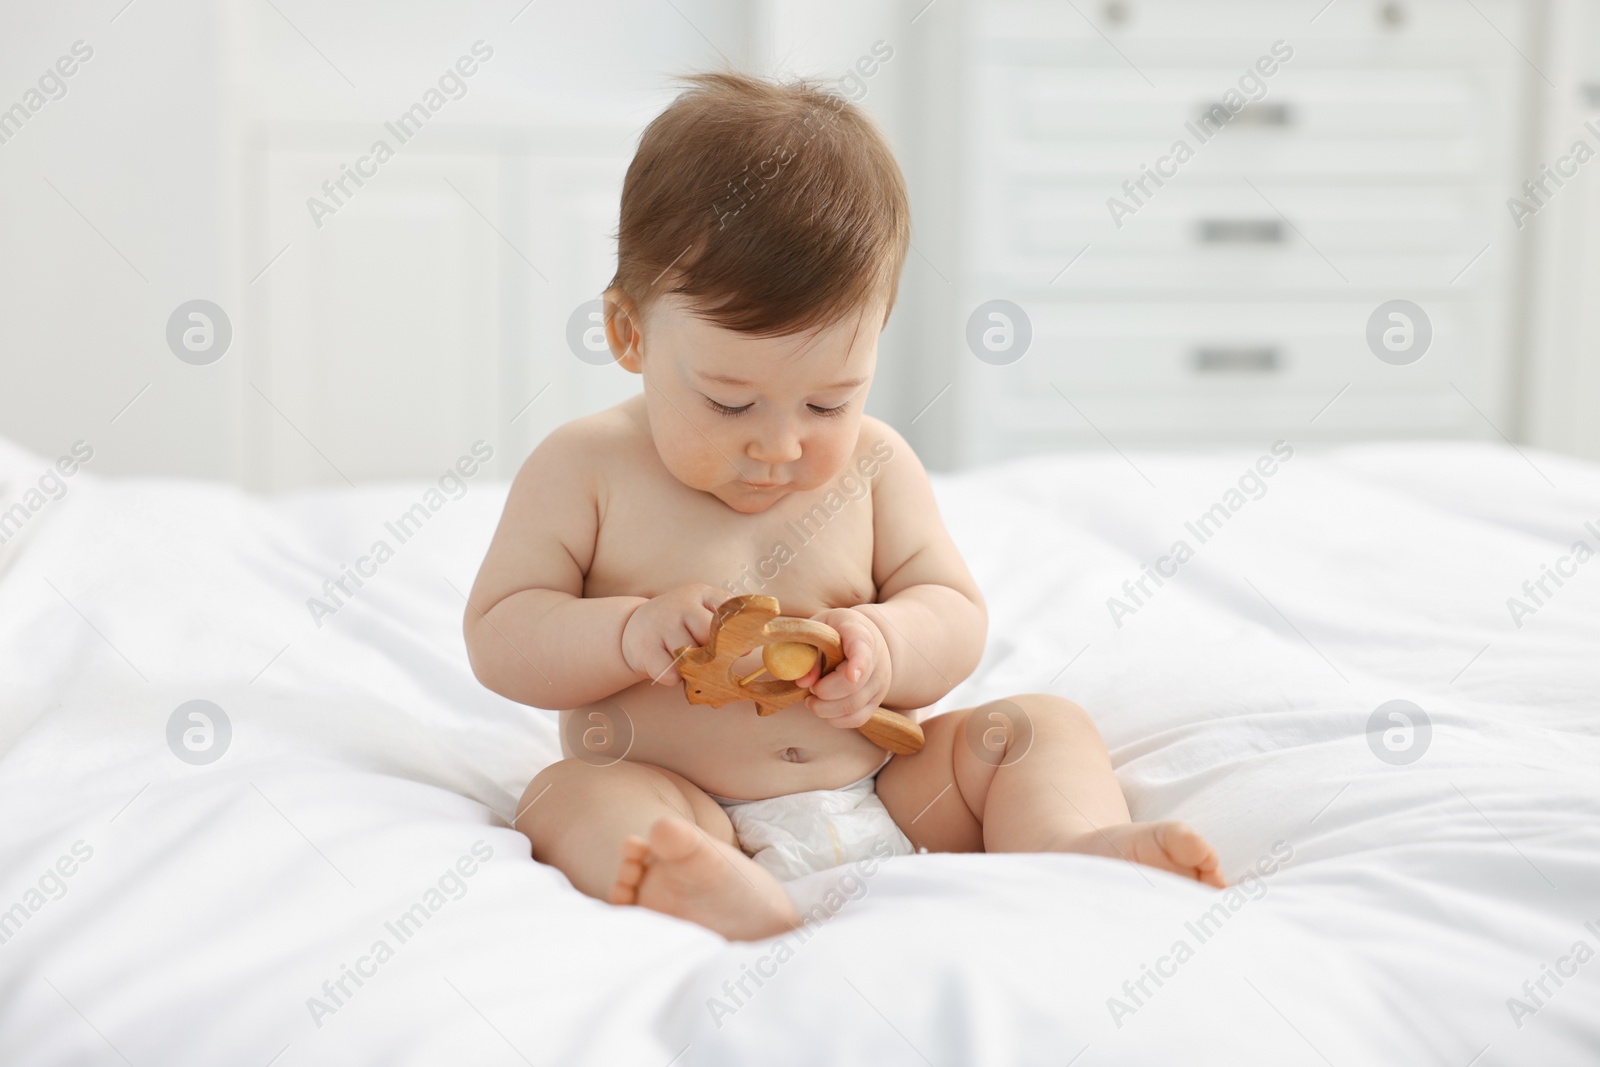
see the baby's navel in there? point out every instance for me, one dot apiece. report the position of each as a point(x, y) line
point(793, 755)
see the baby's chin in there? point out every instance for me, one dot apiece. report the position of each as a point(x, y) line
point(744, 497)
point(749, 499)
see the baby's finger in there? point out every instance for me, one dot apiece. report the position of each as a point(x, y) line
point(664, 668)
point(846, 714)
point(825, 707)
point(835, 685)
point(860, 652)
point(697, 626)
point(857, 649)
point(809, 679)
point(858, 655)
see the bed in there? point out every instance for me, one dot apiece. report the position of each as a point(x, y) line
point(1396, 763)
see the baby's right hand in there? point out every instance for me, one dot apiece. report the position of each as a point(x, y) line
point(660, 626)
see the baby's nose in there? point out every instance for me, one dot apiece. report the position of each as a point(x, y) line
point(778, 445)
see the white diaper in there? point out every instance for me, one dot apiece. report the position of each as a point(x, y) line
point(801, 833)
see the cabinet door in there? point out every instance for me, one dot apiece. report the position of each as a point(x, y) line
point(430, 309)
point(379, 348)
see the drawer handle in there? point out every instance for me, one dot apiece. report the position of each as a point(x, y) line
point(1241, 231)
point(1236, 359)
point(1264, 115)
point(1213, 117)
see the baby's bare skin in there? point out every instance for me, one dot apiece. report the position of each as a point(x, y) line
point(657, 536)
point(622, 533)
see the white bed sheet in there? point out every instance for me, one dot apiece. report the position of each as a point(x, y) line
point(365, 761)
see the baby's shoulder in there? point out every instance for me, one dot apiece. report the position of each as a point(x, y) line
point(583, 450)
point(615, 433)
point(879, 444)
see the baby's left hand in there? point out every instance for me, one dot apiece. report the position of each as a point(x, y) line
point(847, 696)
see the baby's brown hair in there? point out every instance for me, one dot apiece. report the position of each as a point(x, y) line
point(773, 208)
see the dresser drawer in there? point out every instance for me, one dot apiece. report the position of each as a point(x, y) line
point(1048, 219)
point(1016, 426)
point(1226, 348)
point(1211, 235)
point(1312, 122)
point(1145, 30)
point(1052, 104)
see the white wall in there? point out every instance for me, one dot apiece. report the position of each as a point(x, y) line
point(117, 208)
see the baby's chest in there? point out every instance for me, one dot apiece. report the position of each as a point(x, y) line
point(809, 553)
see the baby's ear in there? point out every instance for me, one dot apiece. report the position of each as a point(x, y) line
point(623, 329)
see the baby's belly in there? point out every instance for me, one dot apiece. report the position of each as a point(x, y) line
point(730, 751)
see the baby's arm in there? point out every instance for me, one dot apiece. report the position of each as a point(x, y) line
point(929, 611)
point(531, 634)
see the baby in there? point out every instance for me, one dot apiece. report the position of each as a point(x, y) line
point(763, 230)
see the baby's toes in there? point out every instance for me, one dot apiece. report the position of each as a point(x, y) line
point(630, 871)
point(1189, 852)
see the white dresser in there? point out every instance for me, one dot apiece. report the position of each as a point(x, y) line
point(1370, 161)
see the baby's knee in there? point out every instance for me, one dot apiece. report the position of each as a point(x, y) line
point(1059, 723)
point(563, 772)
point(565, 790)
point(551, 777)
point(1049, 707)
point(1009, 727)
point(558, 786)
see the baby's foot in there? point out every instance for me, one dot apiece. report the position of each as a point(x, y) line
point(681, 872)
point(1167, 846)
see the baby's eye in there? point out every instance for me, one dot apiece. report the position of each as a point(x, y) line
point(829, 413)
point(724, 409)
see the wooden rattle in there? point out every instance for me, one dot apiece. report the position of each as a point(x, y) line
point(789, 649)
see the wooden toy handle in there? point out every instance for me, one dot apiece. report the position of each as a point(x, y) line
point(889, 730)
point(892, 732)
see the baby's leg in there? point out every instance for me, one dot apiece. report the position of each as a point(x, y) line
point(633, 833)
point(1028, 774)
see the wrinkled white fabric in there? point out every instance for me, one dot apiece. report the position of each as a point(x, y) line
point(1417, 901)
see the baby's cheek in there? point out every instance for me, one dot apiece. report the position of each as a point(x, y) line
point(689, 458)
point(828, 458)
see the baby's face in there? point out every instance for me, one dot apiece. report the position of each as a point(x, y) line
point(752, 419)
